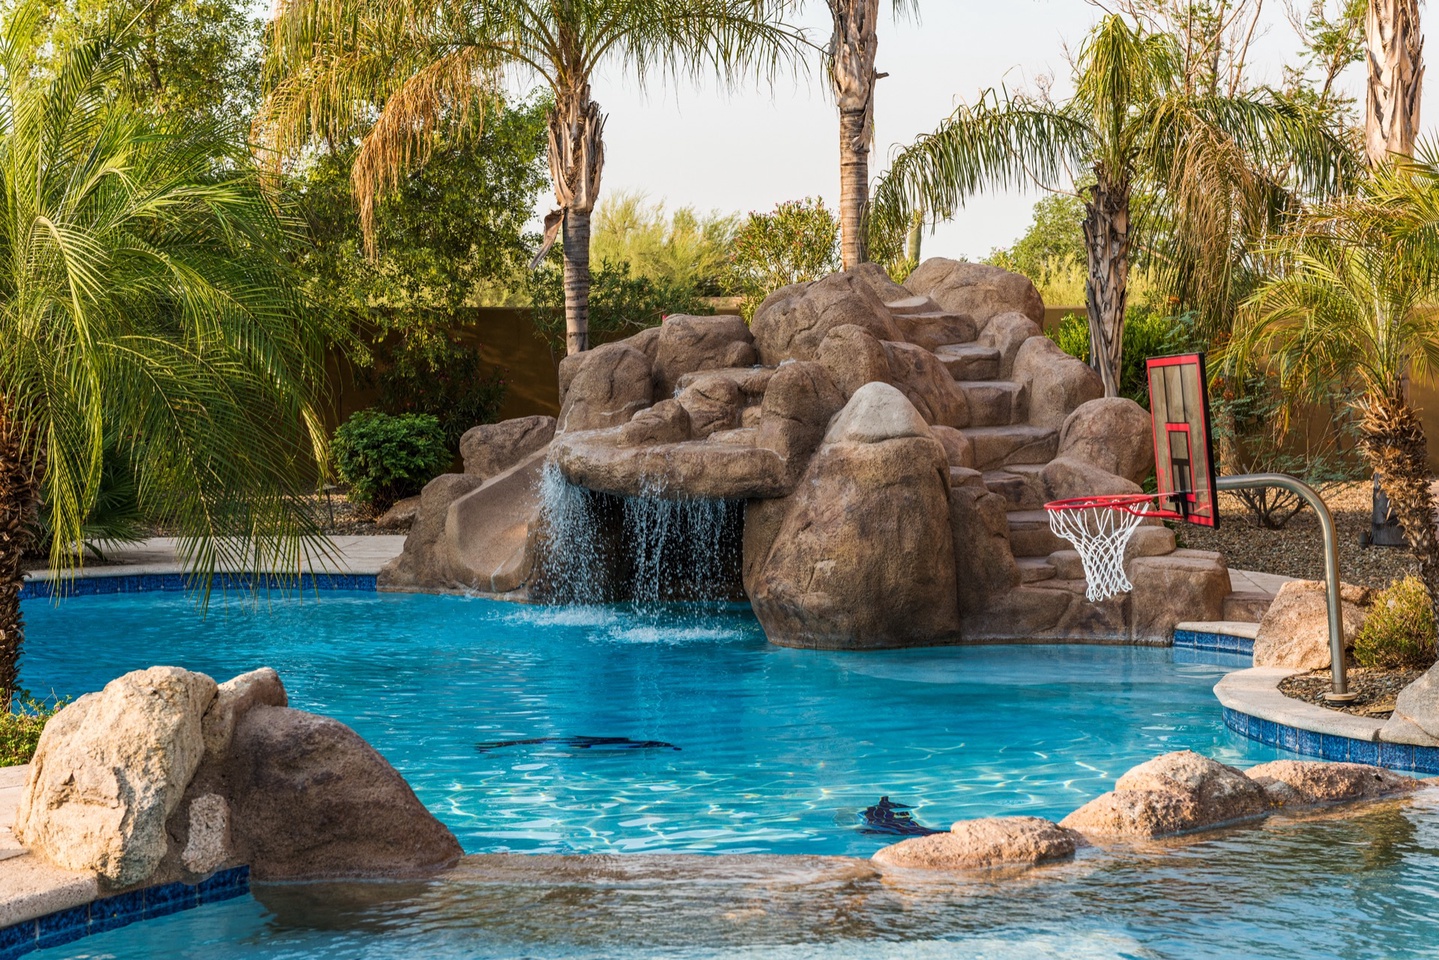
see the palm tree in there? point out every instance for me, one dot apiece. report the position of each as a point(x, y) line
point(145, 308)
point(1206, 163)
point(852, 76)
point(1395, 51)
point(1354, 299)
point(401, 72)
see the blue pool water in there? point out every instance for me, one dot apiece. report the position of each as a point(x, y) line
point(778, 748)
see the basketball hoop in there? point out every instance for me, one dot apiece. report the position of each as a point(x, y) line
point(1100, 528)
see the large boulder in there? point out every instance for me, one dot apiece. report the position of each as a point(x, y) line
point(1065, 477)
point(603, 387)
point(793, 321)
point(1114, 434)
point(1295, 631)
point(714, 403)
point(796, 411)
point(853, 357)
point(984, 564)
point(312, 800)
point(864, 557)
point(1007, 333)
point(109, 771)
point(691, 344)
point(1175, 793)
point(492, 448)
point(989, 842)
point(1416, 713)
point(979, 290)
point(928, 384)
point(1303, 783)
point(1185, 585)
point(1058, 383)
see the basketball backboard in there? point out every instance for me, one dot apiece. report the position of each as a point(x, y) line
point(1183, 452)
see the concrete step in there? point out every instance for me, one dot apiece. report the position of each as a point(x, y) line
point(1021, 491)
point(1030, 536)
point(996, 447)
point(1034, 569)
point(995, 403)
point(969, 361)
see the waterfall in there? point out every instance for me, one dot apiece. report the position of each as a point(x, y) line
point(575, 565)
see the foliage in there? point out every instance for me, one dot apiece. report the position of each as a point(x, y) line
point(20, 730)
point(1148, 333)
point(145, 299)
point(386, 458)
point(443, 379)
point(620, 302)
point(1399, 631)
point(1053, 242)
point(796, 242)
point(674, 251)
point(1332, 34)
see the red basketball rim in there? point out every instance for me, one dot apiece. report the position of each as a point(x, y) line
point(1127, 502)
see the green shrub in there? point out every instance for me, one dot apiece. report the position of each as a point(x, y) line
point(1399, 631)
point(386, 458)
point(445, 380)
point(1147, 333)
point(20, 731)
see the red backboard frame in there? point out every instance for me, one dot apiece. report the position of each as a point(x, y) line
point(1183, 444)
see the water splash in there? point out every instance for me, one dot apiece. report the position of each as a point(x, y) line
point(575, 565)
point(681, 549)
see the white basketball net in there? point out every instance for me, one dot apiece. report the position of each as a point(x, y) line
point(1100, 534)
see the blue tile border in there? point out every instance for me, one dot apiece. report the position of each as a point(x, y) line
point(176, 582)
point(1328, 746)
point(1213, 642)
point(111, 913)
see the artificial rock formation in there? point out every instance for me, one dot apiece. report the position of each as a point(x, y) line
point(1416, 713)
point(164, 776)
point(890, 449)
point(1295, 630)
point(988, 842)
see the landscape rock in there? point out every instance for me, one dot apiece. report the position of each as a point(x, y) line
point(1058, 383)
point(233, 699)
point(1065, 477)
point(1295, 630)
point(989, 842)
point(691, 344)
point(666, 422)
point(1175, 793)
point(603, 387)
point(957, 446)
point(708, 469)
point(976, 289)
point(1007, 333)
point(928, 384)
point(792, 323)
point(401, 516)
point(312, 800)
point(492, 448)
point(1294, 783)
point(208, 845)
point(109, 771)
point(874, 414)
point(864, 557)
point(1185, 585)
point(1114, 434)
point(985, 569)
point(797, 408)
point(853, 357)
point(713, 404)
point(1416, 713)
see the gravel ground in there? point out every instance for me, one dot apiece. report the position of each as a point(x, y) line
point(1376, 688)
point(1298, 549)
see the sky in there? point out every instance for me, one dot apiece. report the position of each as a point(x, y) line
point(755, 147)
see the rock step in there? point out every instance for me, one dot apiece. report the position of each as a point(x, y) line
point(1005, 446)
point(1030, 536)
point(1018, 485)
point(995, 403)
point(970, 361)
point(1034, 569)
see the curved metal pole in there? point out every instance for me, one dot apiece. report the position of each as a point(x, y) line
point(1331, 562)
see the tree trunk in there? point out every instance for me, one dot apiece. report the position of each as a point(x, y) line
point(1395, 51)
point(1106, 240)
point(1392, 439)
point(914, 240)
point(577, 159)
point(18, 501)
point(852, 77)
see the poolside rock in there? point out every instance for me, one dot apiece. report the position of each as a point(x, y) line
point(603, 387)
point(233, 699)
point(793, 322)
point(1007, 333)
point(1296, 783)
point(492, 448)
point(401, 516)
point(1175, 793)
point(1114, 434)
point(208, 846)
point(109, 771)
point(863, 557)
point(1416, 713)
point(976, 289)
point(1058, 383)
point(988, 842)
point(985, 568)
point(1295, 630)
point(1184, 585)
point(798, 406)
point(417, 564)
point(713, 404)
point(1064, 477)
point(311, 800)
point(853, 357)
point(928, 384)
point(689, 344)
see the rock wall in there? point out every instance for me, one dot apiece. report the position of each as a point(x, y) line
point(893, 445)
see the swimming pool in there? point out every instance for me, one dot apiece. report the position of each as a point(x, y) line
point(703, 738)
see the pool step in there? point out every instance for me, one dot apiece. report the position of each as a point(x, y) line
point(995, 403)
point(969, 361)
point(1018, 443)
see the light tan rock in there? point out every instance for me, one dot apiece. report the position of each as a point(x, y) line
point(1114, 434)
point(976, 289)
point(1416, 713)
point(1185, 585)
point(1064, 477)
point(233, 699)
point(109, 771)
point(666, 422)
point(1175, 793)
point(853, 357)
point(603, 387)
point(1007, 333)
point(920, 375)
point(1295, 630)
point(1297, 783)
point(1132, 815)
point(990, 842)
point(957, 446)
point(492, 448)
point(1058, 383)
point(691, 344)
point(794, 321)
point(710, 469)
point(207, 844)
point(984, 565)
point(875, 413)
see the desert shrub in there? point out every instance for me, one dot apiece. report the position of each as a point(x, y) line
point(1399, 631)
point(386, 458)
point(443, 379)
point(20, 731)
point(797, 242)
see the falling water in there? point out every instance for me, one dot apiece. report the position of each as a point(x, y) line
point(576, 563)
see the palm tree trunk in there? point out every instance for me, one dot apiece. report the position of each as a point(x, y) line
point(1392, 439)
point(1396, 78)
point(852, 77)
point(17, 517)
point(914, 239)
point(577, 160)
point(1106, 240)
